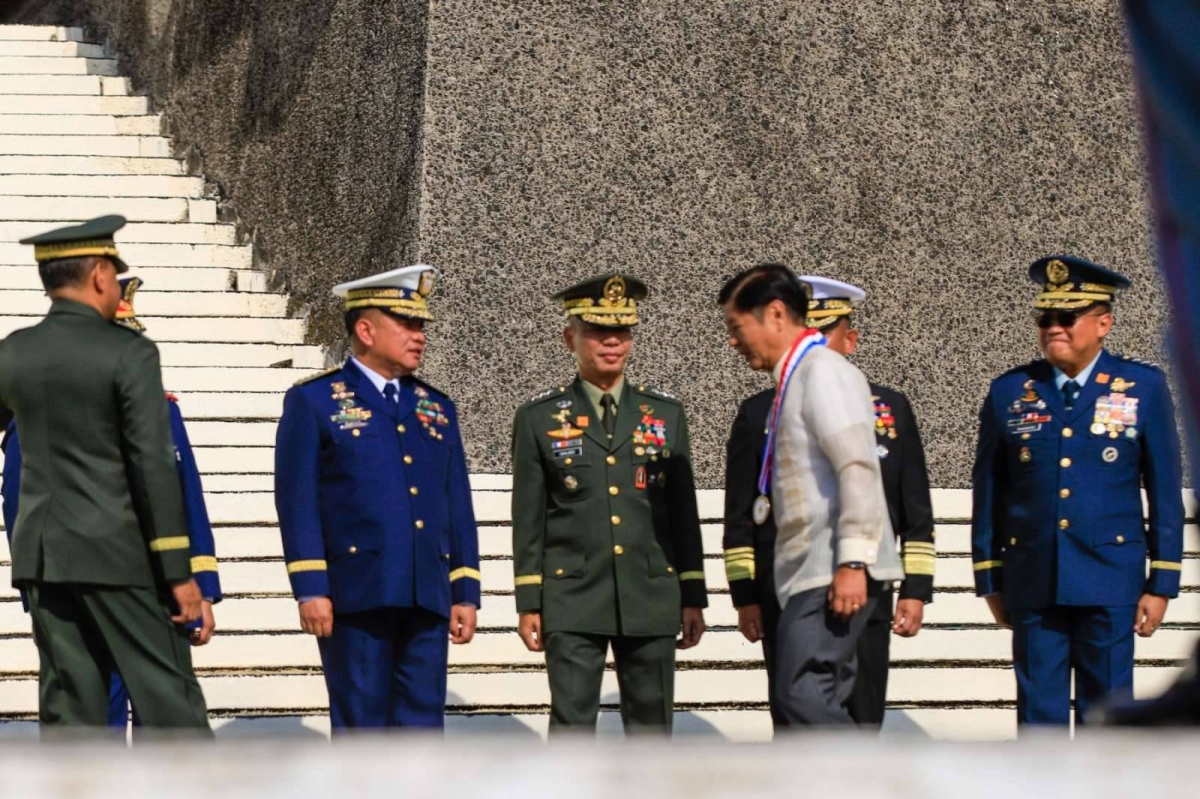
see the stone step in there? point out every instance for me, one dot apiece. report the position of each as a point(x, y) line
point(530, 689)
point(101, 186)
point(225, 405)
point(201, 378)
point(167, 303)
point(124, 146)
point(240, 355)
point(56, 65)
point(140, 255)
point(134, 232)
point(42, 33)
point(63, 84)
point(188, 278)
point(50, 49)
point(52, 209)
point(73, 104)
point(87, 165)
point(199, 329)
point(80, 125)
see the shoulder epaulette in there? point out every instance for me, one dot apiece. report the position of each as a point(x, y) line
point(171, 397)
point(550, 392)
point(1139, 361)
point(325, 373)
point(658, 392)
point(434, 389)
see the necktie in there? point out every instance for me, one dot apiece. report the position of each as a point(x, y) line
point(1070, 391)
point(610, 417)
point(391, 395)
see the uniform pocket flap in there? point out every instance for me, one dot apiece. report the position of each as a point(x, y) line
point(563, 567)
point(658, 565)
point(348, 547)
point(1111, 537)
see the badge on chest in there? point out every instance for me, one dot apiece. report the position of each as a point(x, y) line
point(349, 415)
point(1116, 413)
point(1027, 413)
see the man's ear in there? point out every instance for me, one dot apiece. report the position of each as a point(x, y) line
point(569, 337)
point(851, 340)
point(364, 331)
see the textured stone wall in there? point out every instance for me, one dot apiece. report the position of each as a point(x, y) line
point(926, 151)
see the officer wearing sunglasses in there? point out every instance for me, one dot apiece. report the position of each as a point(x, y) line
point(1059, 545)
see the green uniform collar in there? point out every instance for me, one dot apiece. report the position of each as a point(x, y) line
point(594, 394)
point(66, 306)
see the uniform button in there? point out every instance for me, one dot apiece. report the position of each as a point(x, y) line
point(1063, 524)
point(1120, 539)
point(618, 550)
point(568, 461)
point(353, 550)
point(1064, 493)
point(1024, 436)
point(670, 570)
point(1068, 432)
point(558, 572)
point(1065, 462)
point(355, 433)
point(1012, 541)
point(613, 490)
point(420, 525)
point(640, 451)
point(400, 428)
point(611, 460)
point(408, 458)
point(413, 491)
point(616, 520)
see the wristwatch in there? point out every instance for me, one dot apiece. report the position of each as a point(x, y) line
point(857, 565)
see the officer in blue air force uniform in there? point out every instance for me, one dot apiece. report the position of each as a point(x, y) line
point(1058, 542)
point(199, 529)
point(375, 510)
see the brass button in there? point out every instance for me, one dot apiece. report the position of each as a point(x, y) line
point(1063, 524)
point(353, 550)
point(413, 491)
point(355, 433)
point(400, 428)
point(670, 570)
point(613, 490)
point(568, 461)
point(558, 572)
point(1024, 436)
point(420, 525)
point(640, 451)
point(618, 550)
point(616, 520)
point(1012, 541)
point(1065, 462)
point(1064, 493)
point(446, 556)
point(1120, 539)
point(611, 460)
point(1068, 432)
point(408, 458)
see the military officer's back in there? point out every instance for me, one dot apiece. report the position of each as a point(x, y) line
point(1059, 545)
point(606, 535)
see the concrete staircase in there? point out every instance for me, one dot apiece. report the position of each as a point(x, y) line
point(74, 144)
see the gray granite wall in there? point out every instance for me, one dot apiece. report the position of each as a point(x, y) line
point(926, 151)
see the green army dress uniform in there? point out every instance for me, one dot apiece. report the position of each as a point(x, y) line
point(606, 538)
point(101, 532)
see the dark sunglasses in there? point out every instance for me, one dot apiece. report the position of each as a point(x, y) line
point(1061, 318)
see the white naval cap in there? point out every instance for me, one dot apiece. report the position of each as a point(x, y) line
point(831, 300)
point(402, 291)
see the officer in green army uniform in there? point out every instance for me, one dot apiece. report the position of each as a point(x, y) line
point(100, 546)
point(606, 533)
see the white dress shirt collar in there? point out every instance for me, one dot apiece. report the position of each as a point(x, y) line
point(377, 380)
point(1060, 377)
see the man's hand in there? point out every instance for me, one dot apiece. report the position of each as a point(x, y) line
point(1150, 612)
point(462, 624)
point(999, 612)
point(208, 623)
point(692, 624)
point(750, 622)
point(530, 630)
point(187, 597)
point(847, 592)
point(909, 615)
point(316, 617)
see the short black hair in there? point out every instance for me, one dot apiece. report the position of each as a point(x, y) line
point(63, 272)
point(351, 318)
point(753, 289)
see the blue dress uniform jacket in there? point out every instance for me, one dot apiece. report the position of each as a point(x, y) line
point(374, 503)
point(1057, 514)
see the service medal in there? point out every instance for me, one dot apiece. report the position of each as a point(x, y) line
point(762, 509)
point(1098, 428)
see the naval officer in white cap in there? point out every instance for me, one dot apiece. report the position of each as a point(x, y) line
point(374, 506)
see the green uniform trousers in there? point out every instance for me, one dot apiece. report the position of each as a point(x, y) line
point(645, 676)
point(85, 632)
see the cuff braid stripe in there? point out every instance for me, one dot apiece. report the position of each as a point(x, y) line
point(465, 571)
point(306, 566)
point(204, 563)
point(528, 579)
point(170, 544)
point(691, 575)
point(739, 552)
point(1166, 565)
point(984, 565)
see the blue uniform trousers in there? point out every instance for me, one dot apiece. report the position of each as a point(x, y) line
point(386, 668)
point(1047, 643)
